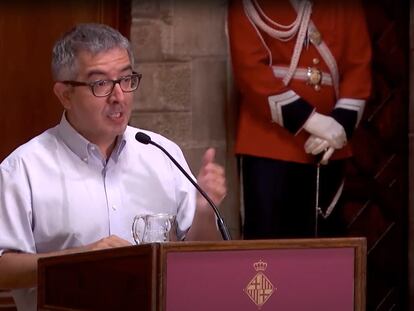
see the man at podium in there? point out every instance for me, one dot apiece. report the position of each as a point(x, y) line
point(77, 186)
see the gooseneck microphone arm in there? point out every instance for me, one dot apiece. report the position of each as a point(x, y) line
point(145, 139)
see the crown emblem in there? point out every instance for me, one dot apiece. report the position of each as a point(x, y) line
point(260, 266)
point(259, 289)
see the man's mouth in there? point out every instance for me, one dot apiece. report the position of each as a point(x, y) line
point(115, 115)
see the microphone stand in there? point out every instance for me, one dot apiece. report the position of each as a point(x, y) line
point(220, 222)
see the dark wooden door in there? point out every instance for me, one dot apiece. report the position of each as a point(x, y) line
point(28, 30)
point(376, 191)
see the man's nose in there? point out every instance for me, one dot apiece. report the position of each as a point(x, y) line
point(117, 93)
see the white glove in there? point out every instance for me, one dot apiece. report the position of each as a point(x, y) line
point(326, 128)
point(316, 145)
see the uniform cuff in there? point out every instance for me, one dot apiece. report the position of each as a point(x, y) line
point(347, 118)
point(352, 104)
point(290, 111)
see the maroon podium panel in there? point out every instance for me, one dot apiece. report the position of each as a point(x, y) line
point(275, 279)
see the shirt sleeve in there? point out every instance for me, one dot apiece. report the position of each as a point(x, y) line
point(15, 209)
point(185, 191)
point(251, 60)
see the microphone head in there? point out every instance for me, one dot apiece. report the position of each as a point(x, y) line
point(143, 138)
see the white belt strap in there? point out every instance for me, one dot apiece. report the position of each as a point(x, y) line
point(300, 74)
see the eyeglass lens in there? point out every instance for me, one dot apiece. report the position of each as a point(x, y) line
point(105, 87)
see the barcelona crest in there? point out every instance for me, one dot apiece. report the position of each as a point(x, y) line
point(259, 289)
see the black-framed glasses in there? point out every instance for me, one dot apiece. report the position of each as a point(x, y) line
point(102, 88)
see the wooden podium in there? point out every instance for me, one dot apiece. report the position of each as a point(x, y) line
point(293, 274)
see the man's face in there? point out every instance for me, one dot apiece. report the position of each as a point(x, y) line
point(100, 119)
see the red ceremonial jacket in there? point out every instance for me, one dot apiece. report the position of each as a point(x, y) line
point(270, 126)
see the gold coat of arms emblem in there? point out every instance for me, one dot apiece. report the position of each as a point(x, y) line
point(259, 289)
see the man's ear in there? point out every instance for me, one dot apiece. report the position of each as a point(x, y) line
point(64, 93)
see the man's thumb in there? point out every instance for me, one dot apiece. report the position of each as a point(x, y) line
point(208, 156)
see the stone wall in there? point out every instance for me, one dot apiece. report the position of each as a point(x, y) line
point(181, 50)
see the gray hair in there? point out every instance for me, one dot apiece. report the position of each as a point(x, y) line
point(92, 38)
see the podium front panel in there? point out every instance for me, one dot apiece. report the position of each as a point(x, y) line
point(294, 279)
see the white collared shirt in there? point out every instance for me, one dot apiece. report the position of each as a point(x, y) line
point(57, 192)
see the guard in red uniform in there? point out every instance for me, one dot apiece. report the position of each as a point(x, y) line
point(303, 72)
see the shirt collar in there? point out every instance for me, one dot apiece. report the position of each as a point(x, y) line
point(120, 144)
point(80, 146)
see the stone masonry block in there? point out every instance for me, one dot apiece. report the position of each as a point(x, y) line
point(153, 9)
point(197, 29)
point(174, 125)
point(164, 87)
point(145, 8)
point(209, 99)
point(146, 40)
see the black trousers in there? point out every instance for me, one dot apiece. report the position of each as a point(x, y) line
point(280, 198)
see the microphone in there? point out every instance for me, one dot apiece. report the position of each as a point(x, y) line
point(145, 139)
